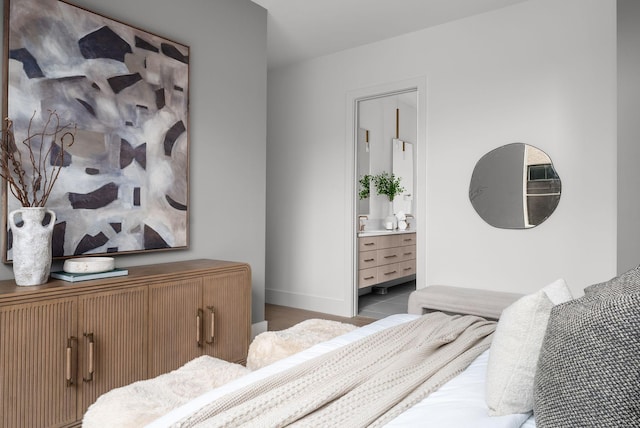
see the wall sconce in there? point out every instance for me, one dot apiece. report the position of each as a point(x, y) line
point(366, 140)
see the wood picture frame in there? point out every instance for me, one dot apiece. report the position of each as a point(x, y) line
point(124, 184)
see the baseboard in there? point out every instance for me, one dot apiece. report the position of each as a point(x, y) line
point(308, 302)
point(259, 327)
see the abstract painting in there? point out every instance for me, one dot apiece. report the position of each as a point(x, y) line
point(124, 184)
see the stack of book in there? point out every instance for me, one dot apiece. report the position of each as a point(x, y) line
point(76, 277)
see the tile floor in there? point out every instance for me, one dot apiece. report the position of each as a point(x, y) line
point(381, 305)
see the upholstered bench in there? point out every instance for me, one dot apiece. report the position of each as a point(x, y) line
point(457, 300)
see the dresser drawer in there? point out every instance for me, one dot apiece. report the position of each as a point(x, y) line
point(407, 253)
point(388, 272)
point(367, 277)
point(407, 268)
point(389, 255)
point(368, 243)
point(367, 259)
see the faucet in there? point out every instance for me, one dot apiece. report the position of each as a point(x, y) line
point(362, 224)
point(408, 222)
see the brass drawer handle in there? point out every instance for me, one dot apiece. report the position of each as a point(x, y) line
point(199, 327)
point(90, 352)
point(391, 273)
point(68, 353)
point(408, 268)
point(212, 326)
point(369, 277)
point(391, 256)
point(369, 243)
point(407, 254)
point(369, 260)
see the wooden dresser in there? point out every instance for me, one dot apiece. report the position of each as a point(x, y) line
point(384, 258)
point(64, 344)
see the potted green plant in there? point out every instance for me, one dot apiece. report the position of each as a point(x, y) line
point(388, 184)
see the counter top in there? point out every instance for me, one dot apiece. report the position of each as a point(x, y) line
point(384, 232)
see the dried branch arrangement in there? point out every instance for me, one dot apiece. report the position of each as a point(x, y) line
point(32, 180)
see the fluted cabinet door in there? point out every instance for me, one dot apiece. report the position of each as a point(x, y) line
point(112, 341)
point(35, 363)
point(227, 315)
point(209, 314)
point(175, 321)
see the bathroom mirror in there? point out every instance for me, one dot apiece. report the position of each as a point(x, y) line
point(403, 168)
point(364, 165)
point(515, 186)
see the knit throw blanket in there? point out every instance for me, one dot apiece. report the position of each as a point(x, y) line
point(366, 383)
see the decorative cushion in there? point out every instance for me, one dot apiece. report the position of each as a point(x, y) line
point(628, 282)
point(271, 346)
point(515, 348)
point(589, 369)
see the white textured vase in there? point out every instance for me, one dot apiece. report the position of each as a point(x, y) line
point(31, 244)
point(390, 220)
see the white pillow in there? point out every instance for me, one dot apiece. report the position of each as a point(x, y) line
point(515, 349)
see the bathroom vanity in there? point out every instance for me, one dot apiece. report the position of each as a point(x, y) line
point(386, 257)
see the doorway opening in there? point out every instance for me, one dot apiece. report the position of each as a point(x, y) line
point(386, 201)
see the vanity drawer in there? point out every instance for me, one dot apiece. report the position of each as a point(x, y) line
point(367, 277)
point(387, 241)
point(396, 240)
point(407, 268)
point(389, 255)
point(368, 243)
point(388, 272)
point(367, 259)
point(405, 239)
point(408, 252)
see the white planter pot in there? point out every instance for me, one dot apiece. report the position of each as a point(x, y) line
point(31, 244)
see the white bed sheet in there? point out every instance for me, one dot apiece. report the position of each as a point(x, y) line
point(458, 403)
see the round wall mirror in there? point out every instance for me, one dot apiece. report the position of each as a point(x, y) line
point(515, 187)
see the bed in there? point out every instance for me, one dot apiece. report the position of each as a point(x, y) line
point(466, 391)
point(525, 368)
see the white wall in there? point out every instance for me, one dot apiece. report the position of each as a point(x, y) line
point(227, 40)
point(628, 134)
point(541, 72)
